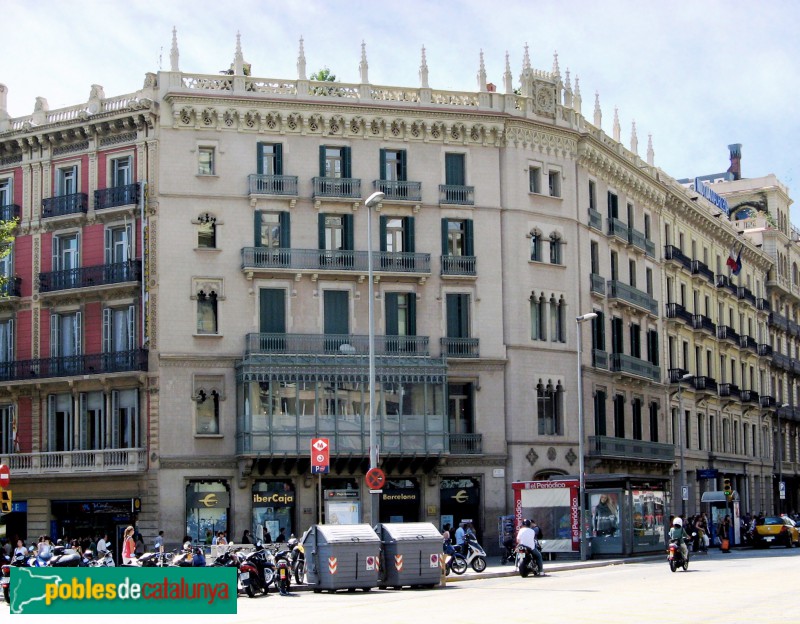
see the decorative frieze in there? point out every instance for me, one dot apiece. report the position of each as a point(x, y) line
point(69, 149)
point(117, 139)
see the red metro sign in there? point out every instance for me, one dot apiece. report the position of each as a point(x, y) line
point(320, 456)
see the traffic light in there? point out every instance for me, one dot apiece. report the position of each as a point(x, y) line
point(727, 490)
point(5, 501)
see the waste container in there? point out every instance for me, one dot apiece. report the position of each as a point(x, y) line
point(412, 553)
point(342, 556)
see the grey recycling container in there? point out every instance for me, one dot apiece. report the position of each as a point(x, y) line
point(342, 556)
point(412, 553)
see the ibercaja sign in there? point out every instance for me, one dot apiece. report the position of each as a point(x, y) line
point(123, 590)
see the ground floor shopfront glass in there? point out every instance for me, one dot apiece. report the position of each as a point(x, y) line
point(273, 514)
point(207, 509)
point(460, 501)
point(400, 500)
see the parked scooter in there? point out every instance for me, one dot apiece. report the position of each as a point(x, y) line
point(104, 560)
point(231, 558)
point(257, 571)
point(525, 562)
point(297, 559)
point(65, 558)
point(474, 554)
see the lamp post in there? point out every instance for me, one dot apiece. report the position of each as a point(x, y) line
point(683, 378)
point(780, 455)
point(581, 468)
point(372, 200)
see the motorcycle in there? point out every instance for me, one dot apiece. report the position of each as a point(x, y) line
point(675, 556)
point(65, 558)
point(297, 559)
point(525, 562)
point(231, 558)
point(454, 561)
point(154, 560)
point(257, 571)
point(104, 560)
point(474, 554)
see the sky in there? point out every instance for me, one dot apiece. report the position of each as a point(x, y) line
point(696, 74)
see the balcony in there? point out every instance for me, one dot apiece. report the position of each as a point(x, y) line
point(702, 383)
point(766, 401)
point(671, 252)
point(749, 396)
point(637, 239)
point(71, 464)
point(778, 321)
point(12, 287)
point(465, 443)
point(748, 342)
point(629, 294)
point(255, 259)
point(459, 347)
point(729, 390)
point(87, 277)
point(606, 447)
point(764, 350)
point(727, 333)
point(72, 365)
point(595, 219)
point(459, 265)
point(76, 203)
point(724, 282)
point(630, 365)
point(457, 194)
point(746, 294)
point(116, 196)
point(9, 212)
point(650, 248)
point(399, 190)
point(703, 323)
point(617, 229)
point(701, 269)
point(600, 359)
point(597, 284)
point(334, 344)
point(794, 328)
point(280, 185)
point(677, 311)
point(763, 305)
point(782, 361)
point(675, 374)
point(344, 188)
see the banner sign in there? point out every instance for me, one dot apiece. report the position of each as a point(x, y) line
point(57, 591)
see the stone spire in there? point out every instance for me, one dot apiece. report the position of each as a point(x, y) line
point(634, 139)
point(423, 71)
point(567, 90)
point(598, 114)
point(301, 62)
point(508, 83)
point(556, 69)
point(238, 59)
point(577, 100)
point(482, 75)
point(651, 155)
point(526, 62)
point(363, 66)
point(174, 55)
point(616, 130)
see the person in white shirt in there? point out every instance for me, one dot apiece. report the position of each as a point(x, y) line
point(460, 538)
point(526, 536)
point(102, 544)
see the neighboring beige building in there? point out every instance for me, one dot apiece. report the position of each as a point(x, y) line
point(505, 216)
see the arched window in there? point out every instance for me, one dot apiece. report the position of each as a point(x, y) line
point(536, 245)
point(549, 408)
point(556, 256)
point(538, 317)
point(207, 231)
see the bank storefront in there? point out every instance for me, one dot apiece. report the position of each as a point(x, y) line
point(274, 509)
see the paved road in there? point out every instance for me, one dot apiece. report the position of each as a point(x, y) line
point(750, 587)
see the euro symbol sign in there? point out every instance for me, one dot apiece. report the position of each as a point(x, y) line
point(210, 500)
point(461, 496)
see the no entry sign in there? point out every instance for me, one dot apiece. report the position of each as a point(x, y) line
point(5, 476)
point(375, 478)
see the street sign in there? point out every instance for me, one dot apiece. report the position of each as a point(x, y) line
point(375, 479)
point(320, 456)
point(5, 476)
point(782, 490)
point(707, 473)
point(685, 492)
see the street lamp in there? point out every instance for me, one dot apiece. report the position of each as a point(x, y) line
point(581, 469)
point(372, 200)
point(685, 377)
point(780, 455)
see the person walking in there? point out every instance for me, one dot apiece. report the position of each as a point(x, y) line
point(128, 547)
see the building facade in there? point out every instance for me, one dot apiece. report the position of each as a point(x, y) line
point(173, 346)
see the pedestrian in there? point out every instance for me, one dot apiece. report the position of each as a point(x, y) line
point(460, 538)
point(128, 547)
point(158, 544)
point(281, 536)
point(139, 545)
point(102, 544)
point(246, 537)
point(222, 540)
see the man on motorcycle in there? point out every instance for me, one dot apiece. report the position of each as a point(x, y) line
point(677, 532)
point(526, 536)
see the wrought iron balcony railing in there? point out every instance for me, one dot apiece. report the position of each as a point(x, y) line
point(72, 463)
point(335, 344)
point(671, 252)
point(703, 383)
point(86, 277)
point(743, 292)
point(459, 347)
point(634, 296)
point(766, 401)
point(89, 364)
point(399, 190)
point(595, 219)
point(678, 311)
point(116, 196)
point(727, 333)
point(778, 321)
point(262, 184)
point(12, 287)
point(618, 229)
point(348, 188)
point(748, 342)
point(597, 284)
point(623, 448)
point(465, 443)
point(675, 374)
point(459, 265)
point(763, 304)
point(724, 282)
point(700, 321)
point(701, 268)
point(764, 349)
point(628, 364)
point(749, 396)
point(62, 205)
point(729, 390)
point(9, 212)
point(457, 194)
point(254, 258)
point(782, 361)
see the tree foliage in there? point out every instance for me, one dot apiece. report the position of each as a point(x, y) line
point(323, 75)
point(6, 240)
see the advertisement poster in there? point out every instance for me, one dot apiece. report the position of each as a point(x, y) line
point(342, 512)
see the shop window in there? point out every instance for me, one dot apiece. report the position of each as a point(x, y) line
point(207, 509)
point(273, 510)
